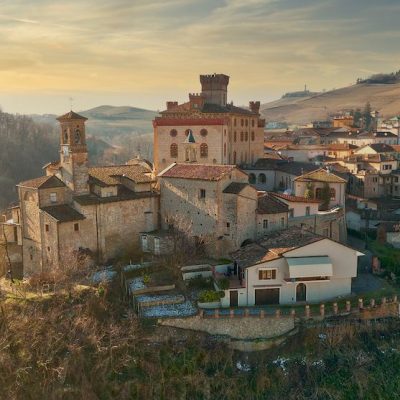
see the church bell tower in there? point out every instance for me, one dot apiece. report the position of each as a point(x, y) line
point(73, 153)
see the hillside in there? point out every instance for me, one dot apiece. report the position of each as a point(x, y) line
point(383, 97)
point(111, 123)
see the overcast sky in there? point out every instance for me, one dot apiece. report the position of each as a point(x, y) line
point(144, 52)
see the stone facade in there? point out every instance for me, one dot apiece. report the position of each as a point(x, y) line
point(225, 134)
point(76, 209)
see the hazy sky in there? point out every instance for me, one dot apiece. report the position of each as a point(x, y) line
point(144, 52)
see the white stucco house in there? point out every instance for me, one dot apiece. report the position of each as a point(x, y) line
point(288, 267)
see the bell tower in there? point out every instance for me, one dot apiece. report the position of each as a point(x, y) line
point(73, 153)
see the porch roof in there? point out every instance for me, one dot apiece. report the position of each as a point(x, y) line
point(305, 267)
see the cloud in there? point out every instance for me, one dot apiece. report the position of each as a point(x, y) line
point(153, 47)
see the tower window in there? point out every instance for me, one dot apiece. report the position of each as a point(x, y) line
point(47, 227)
point(77, 136)
point(53, 197)
point(173, 150)
point(65, 136)
point(203, 150)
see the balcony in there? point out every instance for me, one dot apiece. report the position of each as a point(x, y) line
point(227, 272)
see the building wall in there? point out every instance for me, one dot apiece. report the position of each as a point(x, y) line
point(340, 191)
point(274, 223)
point(262, 179)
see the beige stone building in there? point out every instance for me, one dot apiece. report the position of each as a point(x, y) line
point(77, 209)
point(225, 134)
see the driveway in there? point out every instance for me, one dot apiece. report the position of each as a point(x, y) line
point(366, 282)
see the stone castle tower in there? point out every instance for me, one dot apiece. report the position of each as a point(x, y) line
point(73, 153)
point(214, 88)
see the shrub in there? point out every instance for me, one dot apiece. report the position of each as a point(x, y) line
point(223, 283)
point(209, 296)
point(146, 279)
point(200, 282)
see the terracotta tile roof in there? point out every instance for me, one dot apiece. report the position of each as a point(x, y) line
point(235, 187)
point(44, 182)
point(294, 199)
point(197, 171)
point(273, 246)
point(320, 175)
point(63, 213)
point(380, 147)
point(70, 116)
point(108, 176)
point(267, 204)
point(210, 108)
point(296, 167)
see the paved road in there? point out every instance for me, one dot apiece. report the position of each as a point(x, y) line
point(364, 262)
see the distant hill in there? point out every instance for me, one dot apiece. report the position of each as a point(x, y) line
point(299, 110)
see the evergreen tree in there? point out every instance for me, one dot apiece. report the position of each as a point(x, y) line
point(367, 116)
point(325, 196)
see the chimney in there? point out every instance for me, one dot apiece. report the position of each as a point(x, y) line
point(254, 106)
point(171, 105)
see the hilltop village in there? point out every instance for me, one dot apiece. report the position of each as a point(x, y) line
point(276, 203)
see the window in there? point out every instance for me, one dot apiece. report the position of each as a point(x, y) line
point(234, 136)
point(282, 222)
point(202, 194)
point(228, 225)
point(47, 227)
point(252, 178)
point(234, 122)
point(204, 132)
point(246, 122)
point(173, 150)
point(76, 227)
point(318, 193)
point(53, 197)
point(203, 150)
point(173, 132)
point(234, 157)
point(291, 213)
point(224, 149)
point(246, 137)
point(253, 136)
point(307, 211)
point(262, 178)
point(267, 274)
point(265, 224)
point(325, 232)
point(241, 136)
point(252, 123)
point(241, 122)
point(332, 193)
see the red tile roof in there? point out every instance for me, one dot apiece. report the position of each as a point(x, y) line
point(71, 116)
point(44, 182)
point(197, 171)
point(294, 199)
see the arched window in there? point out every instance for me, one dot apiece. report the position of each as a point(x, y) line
point(173, 150)
point(262, 178)
point(203, 150)
point(252, 123)
point(234, 122)
point(234, 136)
point(234, 157)
point(253, 136)
point(252, 178)
point(204, 132)
point(241, 122)
point(301, 292)
point(246, 122)
point(246, 137)
point(241, 136)
point(77, 136)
